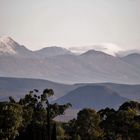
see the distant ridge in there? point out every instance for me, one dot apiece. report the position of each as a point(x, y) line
point(61, 65)
point(52, 51)
point(133, 59)
point(80, 95)
point(92, 96)
point(93, 52)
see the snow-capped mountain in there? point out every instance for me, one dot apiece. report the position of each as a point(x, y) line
point(65, 67)
point(10, 47)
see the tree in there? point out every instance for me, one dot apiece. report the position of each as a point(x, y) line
point(130, 105)
point(88, 125)
point(77, 137)
point(60, 132)
point(10, 120)
point(54, 135)
point(108, 123)
point(70, 129)
point(40, 113)
point(123, 124)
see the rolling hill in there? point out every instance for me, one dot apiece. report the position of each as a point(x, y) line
point(18, 87)
point(92, 96)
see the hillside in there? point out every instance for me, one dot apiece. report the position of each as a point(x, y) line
point(18, 87)
point(92, 96)
point(133, 59)
point(62, 66)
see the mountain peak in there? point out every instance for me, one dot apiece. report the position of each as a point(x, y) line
point(53, 51)
point(6, 39)
point(10, 47)
point(107, 48)
point(94, 52)
point(133, 55)
point(7, 45)
point(54, 48)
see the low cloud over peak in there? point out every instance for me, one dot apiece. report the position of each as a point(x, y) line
point(108, 48)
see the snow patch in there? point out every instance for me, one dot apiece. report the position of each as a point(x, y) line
point(7, 45)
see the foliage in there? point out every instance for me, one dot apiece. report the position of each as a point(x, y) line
point(88, 125)
point(32, 117)
point(10, 120)
point(123, 124)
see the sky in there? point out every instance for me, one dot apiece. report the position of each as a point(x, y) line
point(74, 24)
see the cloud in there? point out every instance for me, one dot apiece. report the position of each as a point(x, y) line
point(108, 48)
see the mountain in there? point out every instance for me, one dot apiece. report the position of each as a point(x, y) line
point(93, 52)
point(127, 52)
point(18, 87)
point(92, 96)
point(8, 47)
point(60, 65)
point(133, 59)
point(125, 92)
point(108, 48)
point(131, 92)
point(52, 51)
point(107, 68)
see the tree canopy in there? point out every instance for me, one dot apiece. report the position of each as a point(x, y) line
point(32, 117)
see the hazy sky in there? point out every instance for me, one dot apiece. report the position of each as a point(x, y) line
point(67, 23)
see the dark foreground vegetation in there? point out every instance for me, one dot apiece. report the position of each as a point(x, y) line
point(32, 118)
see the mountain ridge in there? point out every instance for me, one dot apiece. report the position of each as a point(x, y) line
point(66, 67)
point(11, 42)
point(92, 96)
point(9, 85)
